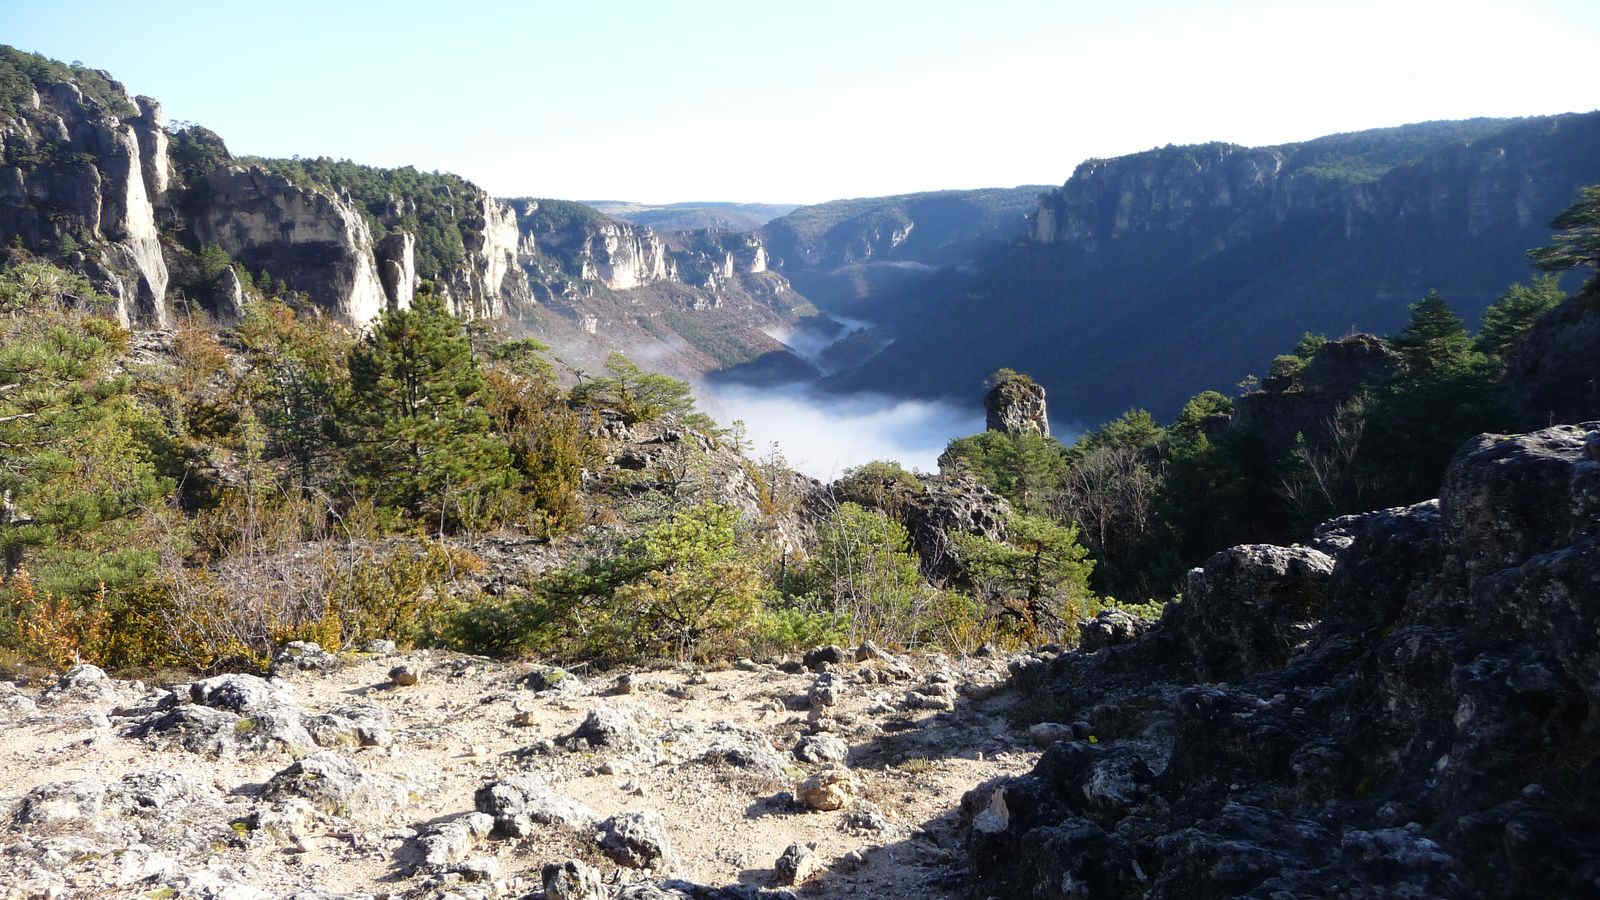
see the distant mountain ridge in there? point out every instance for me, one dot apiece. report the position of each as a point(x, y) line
point(1147, 276)
point(844, 252)
point(693, 216)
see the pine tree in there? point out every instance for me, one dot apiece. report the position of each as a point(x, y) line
point(1509, 318)
point(1578, 243)
point(1038, 579)
point(638, 395)
point(297, 379)
point(422, 438)
point(1435, 340)
point(73, 476)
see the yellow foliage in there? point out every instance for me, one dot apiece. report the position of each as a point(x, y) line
point(402, 595)
point(54, 629)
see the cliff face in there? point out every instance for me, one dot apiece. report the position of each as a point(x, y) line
point(693, 301)
point(314, 242)
point(570, 249)
point(89, 179)
point(591, 247)
point(78, 181)
point(1191, 265)
point(489, 283)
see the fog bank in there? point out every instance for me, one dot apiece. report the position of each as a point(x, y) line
point(822, 435)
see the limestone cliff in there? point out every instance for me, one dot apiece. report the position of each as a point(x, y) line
point(589, 246)
point(78, 181)
point(694, 301)
point(1145, 277)
point(488, 283)
point(93, 179)
point(314, 242)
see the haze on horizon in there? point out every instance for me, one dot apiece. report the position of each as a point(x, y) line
point(718, 101)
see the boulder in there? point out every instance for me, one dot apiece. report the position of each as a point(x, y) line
point(821, 748)
point(824, 691)
point(574, 880)
point(304, 656)
point(1110, 628)
point(13, 702)
point(357, 725)
point(725, 743)
point(832, 788)
point(1250, 607)
point(1551, 374)
point(449, 841)
point(335, 785)
point(798, 864)
point(818, 659)
point(518, 803)
point(638, 840)
point(81, 684)
point(1507, 498)
point(606, 726)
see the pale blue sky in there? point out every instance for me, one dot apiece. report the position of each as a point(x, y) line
point(662, 101)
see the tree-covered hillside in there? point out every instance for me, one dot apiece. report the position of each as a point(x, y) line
point(842, 252)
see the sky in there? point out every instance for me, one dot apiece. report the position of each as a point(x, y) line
point(804, 102)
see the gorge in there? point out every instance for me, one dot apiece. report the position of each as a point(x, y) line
point(1224, 522)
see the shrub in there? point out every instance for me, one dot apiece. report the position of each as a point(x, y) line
point(865, 571)
point(403, 595)
point(684, 588)
point(791, 629)
point(1037, 583)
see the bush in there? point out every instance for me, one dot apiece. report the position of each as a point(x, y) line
point(792, 629)
point(683, 588)
point(883, 484)
point(1037, 583)
point(403, 595)
point(866, 574)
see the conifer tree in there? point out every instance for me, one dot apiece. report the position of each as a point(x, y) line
point(1435, 340)
point(73, 476)
point(422, 438)
point(1509, 318)
point(1577, 244)
point(1038, 579)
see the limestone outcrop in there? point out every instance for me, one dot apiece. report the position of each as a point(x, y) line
point(1402, 711)
point(1552, 374)
point(1308, 402)
point(78, 180)
point(313, 241)
point(490, 283)
point(1016, 405)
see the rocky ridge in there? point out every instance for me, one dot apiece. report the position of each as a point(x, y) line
point(1399, 709)
point(1186, 264)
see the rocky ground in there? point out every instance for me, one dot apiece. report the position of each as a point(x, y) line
point(1407, 708)
point(438, 775)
